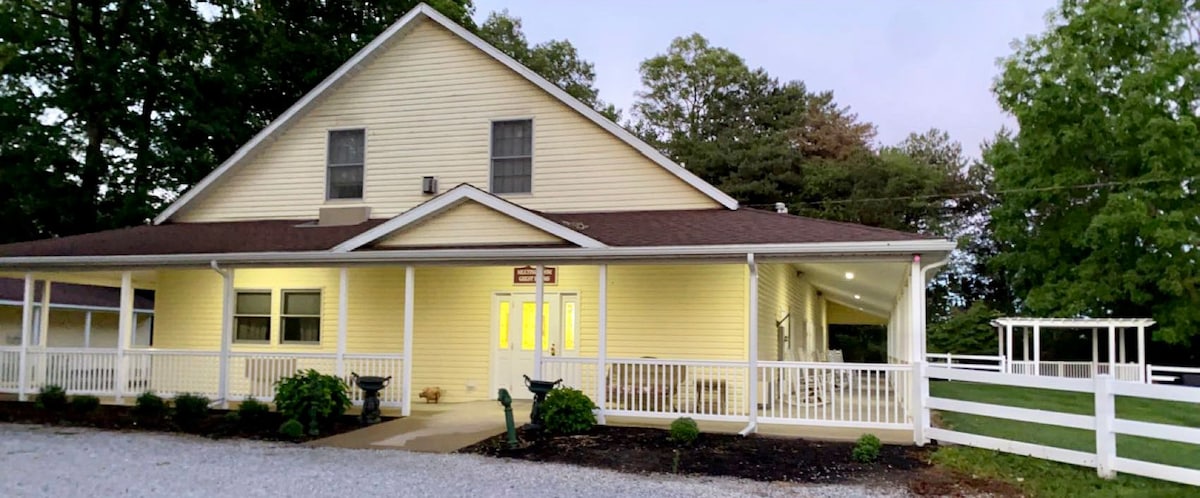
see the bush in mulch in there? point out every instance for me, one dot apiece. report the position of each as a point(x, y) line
point(51, 398)
point(763, 458)
point(215, 424)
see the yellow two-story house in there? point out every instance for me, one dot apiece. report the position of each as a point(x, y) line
point(435, 212)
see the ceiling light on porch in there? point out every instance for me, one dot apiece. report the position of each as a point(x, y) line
point(856, 296)
point(849, 275)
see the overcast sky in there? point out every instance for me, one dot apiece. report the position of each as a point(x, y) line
point(904, 65)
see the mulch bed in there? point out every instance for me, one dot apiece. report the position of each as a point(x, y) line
point(121, 418)
point(762, 458)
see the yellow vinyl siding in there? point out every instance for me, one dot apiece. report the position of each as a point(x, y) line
point(467, 224)
point(427, 104)
point(781, 292)
point(187, 310)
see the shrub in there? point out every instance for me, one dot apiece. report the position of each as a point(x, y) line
point(190, 411)
point(867, 449)
point(84, 404)
point(292, 429)
point(253, 413)
point(568, 411)
point(312, 399)
point(51, 398)
point(149, 408)
point(684, 431)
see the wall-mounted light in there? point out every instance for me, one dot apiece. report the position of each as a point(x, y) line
point(849, 275)
point(856, 296)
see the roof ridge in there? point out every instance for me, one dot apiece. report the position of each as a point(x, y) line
point(836, 222)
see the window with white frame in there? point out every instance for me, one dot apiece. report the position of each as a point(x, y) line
point(344, 166)
point(512, 157)
point(301, 316)
point(252, 316)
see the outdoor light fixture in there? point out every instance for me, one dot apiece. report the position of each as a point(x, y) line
point(849, 275)
point(856, 296)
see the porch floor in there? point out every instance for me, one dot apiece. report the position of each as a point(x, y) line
point(432, 428)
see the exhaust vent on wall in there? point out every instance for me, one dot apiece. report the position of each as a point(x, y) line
point(429, 185)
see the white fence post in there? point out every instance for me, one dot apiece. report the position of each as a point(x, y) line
point(916, 405)
point(1106, 439)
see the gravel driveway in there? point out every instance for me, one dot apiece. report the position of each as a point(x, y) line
point(56, 461)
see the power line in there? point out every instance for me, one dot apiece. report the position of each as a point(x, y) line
point(978, 194)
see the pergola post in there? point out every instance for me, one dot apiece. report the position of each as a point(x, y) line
point(1141, 348)
point(1112, 350)
point(1121, 345)
point(1095, 352)
point(539, 294)
point(602, 344)
point(1008, 343)
point(1037, 349)
point(1025, 345)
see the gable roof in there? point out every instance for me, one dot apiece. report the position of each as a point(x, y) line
point(454, 197)
point(720, 227)
point(420, 13)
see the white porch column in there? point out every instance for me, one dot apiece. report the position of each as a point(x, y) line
point(602, 345)
point(916, 289)
point(539, 295)
point(343, 305)
point(1025, 345)
point(410, 278)
point(125, 324)
point(752, 325)
point(1112, 350)
point(43, 328)
point(1037, 349)
point(228, 305)
point(1141, 338)
point(87, 329)
point(1121, 345)
point(26, 337)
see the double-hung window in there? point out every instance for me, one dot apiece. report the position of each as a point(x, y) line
point(344, 165)
point(512, 157)
point(252, 317)
point(301, 316)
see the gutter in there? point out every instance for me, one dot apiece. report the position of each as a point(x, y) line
point(552, 255)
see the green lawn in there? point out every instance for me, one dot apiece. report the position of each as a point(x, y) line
point(1044, 478)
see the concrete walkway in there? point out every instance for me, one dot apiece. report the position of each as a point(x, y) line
point(434, 428)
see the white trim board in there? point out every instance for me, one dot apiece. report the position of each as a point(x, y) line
point(454, 197)
point(376, 46)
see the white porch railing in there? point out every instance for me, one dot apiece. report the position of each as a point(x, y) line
point(832, 394)
point(1076, 369)
point(840, 394)
point(173, 372)
point(966, 361)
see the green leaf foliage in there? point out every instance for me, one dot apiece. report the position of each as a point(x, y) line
point(684, 431)
point(51, 398)
point(149, 408)
point(866, 450)
point(84, 404)
point(1098, 213)
point(568, 411)
point(312, 398)
point(190, 411)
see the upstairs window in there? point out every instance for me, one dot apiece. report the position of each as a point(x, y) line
point(344, 166)
point(512, 157)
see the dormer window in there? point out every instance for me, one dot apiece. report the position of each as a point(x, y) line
point(344, 166)
point(512, 157)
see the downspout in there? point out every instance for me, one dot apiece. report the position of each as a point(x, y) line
point(925, 276)
point(226, 327)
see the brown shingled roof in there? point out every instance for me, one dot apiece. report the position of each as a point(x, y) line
point(623, 228)
point(719, 227)
point(194, 238)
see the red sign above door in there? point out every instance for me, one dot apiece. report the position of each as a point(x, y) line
point(524, 275)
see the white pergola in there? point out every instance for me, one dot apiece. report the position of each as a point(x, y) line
point(1034, 326)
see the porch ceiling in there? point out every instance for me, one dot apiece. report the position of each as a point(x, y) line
point(872, 290)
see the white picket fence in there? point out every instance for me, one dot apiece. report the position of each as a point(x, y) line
point(967, 361)
point(173, 372)
point(1066, 369)
point(1104, 423)
point(867, 395)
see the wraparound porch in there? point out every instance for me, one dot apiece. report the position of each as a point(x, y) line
point(715, 341)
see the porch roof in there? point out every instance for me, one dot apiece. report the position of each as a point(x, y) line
point(12, 290)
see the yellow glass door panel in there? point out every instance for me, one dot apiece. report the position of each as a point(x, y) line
point(528, 313)
point(504, 311)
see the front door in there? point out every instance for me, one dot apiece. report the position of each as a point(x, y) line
point(514, 316)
